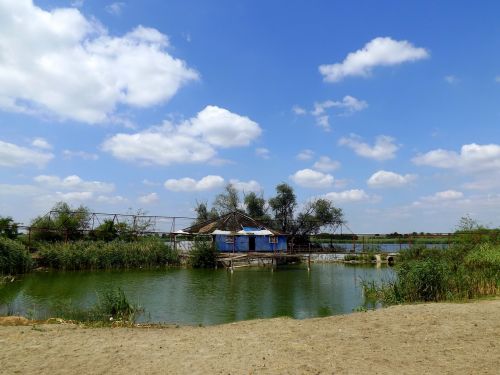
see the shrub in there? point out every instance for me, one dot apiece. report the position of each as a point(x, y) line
point(111, 306)
point(203, 255)
point(14, 258)
point(464, 270)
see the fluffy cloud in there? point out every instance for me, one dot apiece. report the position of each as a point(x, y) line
point(312, 179)
point(377, 52)
point(472, 158)
point(383, 179)
point(74, 183)
point(41, 143)
point(441, 197)
point(193, 141)
point(383, 149)
point(12, 155)
point(444, 195)
point(149, 198)
point(305, 155)
point(60, 62)
point(190, 184)
point(325, 164)
point(247, 186)
point(348, 196)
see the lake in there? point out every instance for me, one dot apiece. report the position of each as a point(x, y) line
point(192, 297)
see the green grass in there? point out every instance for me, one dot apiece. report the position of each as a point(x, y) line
point(111, 307)
point(90, 255)
point(14, 258)
point(464, 271)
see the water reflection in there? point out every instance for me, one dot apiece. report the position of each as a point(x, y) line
point(186, 296)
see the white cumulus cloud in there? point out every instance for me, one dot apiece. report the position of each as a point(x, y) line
point(73, 182)
point(348, 196)
point(193, 141)
point(312, 179)
point(441, 196)
point(41, 143)
point(63, 63)
point(246, 186)
point(387, 179)
point(381, 51)
point(190, 184)
point(383, 149)
point(325, 164)
point(12, 155)
point(305, 155)
point(149, 198)
point(471, 158)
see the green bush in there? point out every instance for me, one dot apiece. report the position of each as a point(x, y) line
point(465, 270)
point(111, 306)
point(84, 255)
point(203, 255)
point(14, 258)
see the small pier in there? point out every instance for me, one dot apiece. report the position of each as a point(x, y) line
point(231, 261)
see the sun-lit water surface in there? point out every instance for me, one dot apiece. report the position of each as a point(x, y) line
point(187, 296)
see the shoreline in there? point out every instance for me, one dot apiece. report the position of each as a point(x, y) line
point(432, 337)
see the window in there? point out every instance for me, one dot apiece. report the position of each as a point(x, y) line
point(273, 239)
point(229, 239)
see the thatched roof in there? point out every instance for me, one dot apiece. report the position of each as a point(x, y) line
point(232, 223)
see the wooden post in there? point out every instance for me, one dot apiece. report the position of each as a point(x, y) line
point(363, 245)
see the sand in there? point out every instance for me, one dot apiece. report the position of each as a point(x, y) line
point(438, 338)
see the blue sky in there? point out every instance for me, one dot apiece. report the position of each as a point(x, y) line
point(387, 108)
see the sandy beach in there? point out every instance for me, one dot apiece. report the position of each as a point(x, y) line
point(413, 339)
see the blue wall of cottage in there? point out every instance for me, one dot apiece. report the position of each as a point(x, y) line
point(241, 243)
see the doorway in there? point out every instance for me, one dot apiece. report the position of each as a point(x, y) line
point(251, 243)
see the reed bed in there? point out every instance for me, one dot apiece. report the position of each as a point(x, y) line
point(464, 271)
point(90, 255)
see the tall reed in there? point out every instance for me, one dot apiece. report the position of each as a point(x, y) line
point(89, 255)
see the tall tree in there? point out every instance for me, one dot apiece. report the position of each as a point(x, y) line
point(8, 228)
point(63, 222)
point(255, 206)
point(203, 213)
point(320, 213)
point(228, 201)
point(283, 206)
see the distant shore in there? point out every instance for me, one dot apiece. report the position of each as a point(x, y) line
point(424, 338)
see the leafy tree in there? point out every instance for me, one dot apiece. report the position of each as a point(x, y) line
point(8, 228)
point(283, 206)
point(62, 223)
point(203, 213)
point(316, 215)
point(228, 201)
point(107, 231)
point(256, 206)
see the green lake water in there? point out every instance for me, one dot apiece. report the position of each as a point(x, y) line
point(187, 296)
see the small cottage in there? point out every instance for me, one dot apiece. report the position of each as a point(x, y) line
point(237, 232)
